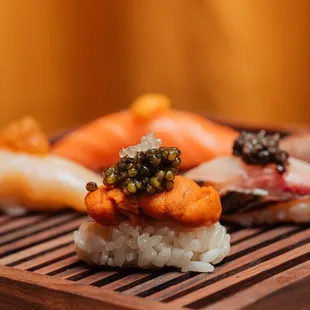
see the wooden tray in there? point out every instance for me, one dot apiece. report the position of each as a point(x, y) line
point(267, 268)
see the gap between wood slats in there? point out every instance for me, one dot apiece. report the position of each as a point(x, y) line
point(190, 282)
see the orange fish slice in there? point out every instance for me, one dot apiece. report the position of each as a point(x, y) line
point(97, 144)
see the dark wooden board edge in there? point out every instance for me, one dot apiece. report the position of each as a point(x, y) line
point(28, 290)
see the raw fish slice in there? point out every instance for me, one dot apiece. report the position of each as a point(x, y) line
point(43, 183)
point(198, 138)
point(32, 178)
point(245, 188)
point(297, 145)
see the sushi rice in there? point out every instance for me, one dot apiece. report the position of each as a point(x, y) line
point(154, 246)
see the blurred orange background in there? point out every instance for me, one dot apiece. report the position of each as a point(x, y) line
point(67, 62)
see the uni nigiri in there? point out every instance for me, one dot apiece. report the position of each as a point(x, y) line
point(31, 177)
point(265, 185)
point(104, 137)
point(146, 216)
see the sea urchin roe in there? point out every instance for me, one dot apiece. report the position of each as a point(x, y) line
point(151, 171)
point(260, 149)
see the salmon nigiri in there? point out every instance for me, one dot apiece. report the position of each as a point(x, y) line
point(31, 177)
point(198, 138)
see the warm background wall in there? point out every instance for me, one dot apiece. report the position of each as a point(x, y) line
point(68, 61)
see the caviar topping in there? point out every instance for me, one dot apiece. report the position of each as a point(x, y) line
point(151, 171)
point(91, 186)
point(260, 149)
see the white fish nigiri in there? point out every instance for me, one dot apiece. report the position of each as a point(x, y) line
point(33, 178)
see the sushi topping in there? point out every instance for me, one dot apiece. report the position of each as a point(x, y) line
point(91, 186)
point(25, 136)
point(146, 106)
point(151, 171)
point(261, 149)
point(147, 142)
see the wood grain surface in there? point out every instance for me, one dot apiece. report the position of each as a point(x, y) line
point(40, 270)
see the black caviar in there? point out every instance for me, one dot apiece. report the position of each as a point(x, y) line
point(261, 149)
point(149, 172)
point(91, 186)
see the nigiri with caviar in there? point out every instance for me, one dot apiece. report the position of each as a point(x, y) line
point(260, 182)
point(145, 215)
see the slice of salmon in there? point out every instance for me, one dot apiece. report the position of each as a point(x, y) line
point(97, 144)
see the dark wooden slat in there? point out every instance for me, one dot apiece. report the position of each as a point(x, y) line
point(25, 290)
point(74, 271)
point(268, 237)
point(260, 290)
point(58, 265)
point(245, 234)
point(5, 218)
point(97, 277)
point(24, 232)
point(39, 248)
point(145, 285)
point(19, 223)
point(46, 259)
point(129, 279)
point(193, 280)
point(244, 274)
point(35, 239)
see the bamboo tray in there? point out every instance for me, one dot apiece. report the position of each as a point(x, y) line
point(268, 267)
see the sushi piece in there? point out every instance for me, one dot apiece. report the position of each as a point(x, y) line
point(260, 183)
point(148, 217)
point(32, 178)
point(104, 137)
